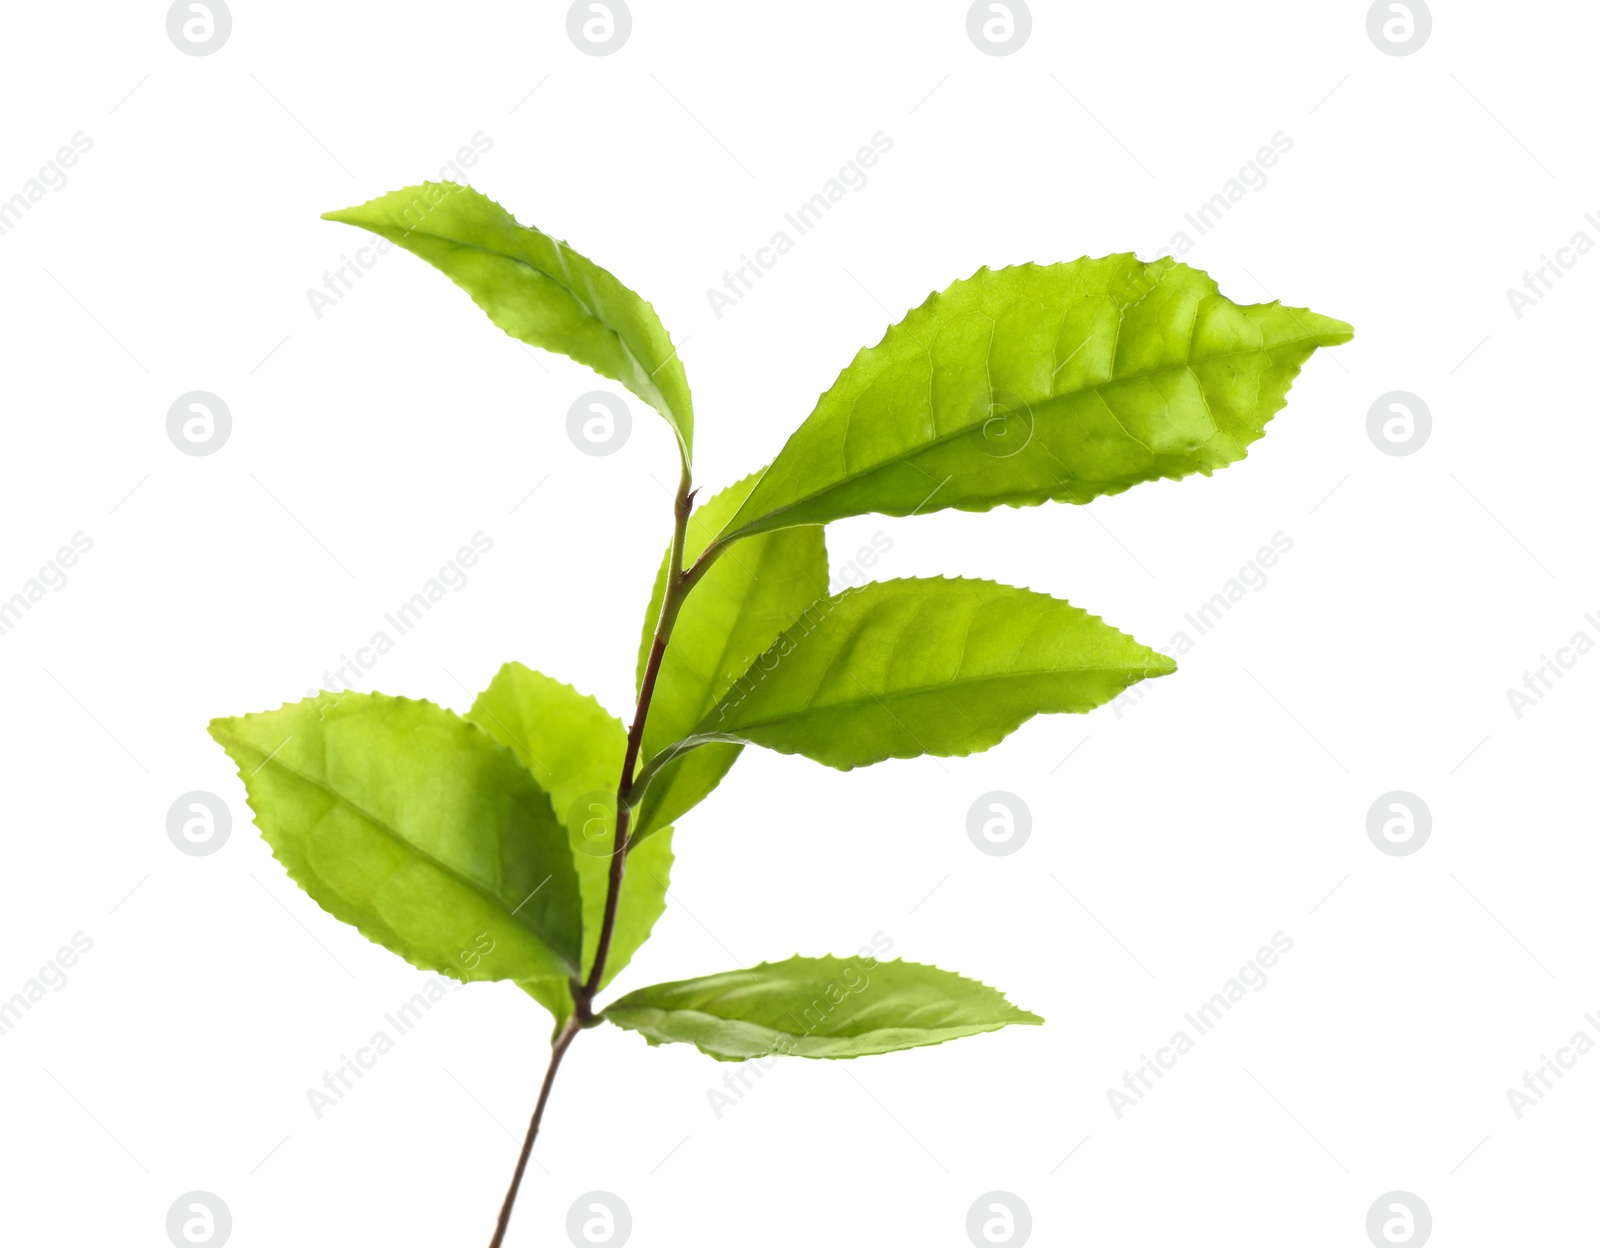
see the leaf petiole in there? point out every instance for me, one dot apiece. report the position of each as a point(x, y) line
point(651, 769)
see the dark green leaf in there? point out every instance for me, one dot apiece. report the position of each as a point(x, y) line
point(574, 748)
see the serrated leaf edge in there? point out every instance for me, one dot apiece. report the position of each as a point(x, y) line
point(1165, 264)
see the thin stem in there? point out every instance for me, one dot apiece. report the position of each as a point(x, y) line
point(557, 1052)
point(671, 600)
point(678, 585)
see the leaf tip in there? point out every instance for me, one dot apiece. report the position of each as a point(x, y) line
point(344, 216)
point(218, 728)
point(1337, 332)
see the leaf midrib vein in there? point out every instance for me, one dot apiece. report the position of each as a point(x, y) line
point(907, 455)
point(768, 1028)
point(400, 839)
point(960, 681)
point(642, 375)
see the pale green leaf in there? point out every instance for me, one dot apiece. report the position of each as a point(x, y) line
point(417, 828)
point(574, 747)
point(896, 669)
point(816, 1007)
point(680, 786)
point(1058, 382)
point(749, 596)
point(537, 289)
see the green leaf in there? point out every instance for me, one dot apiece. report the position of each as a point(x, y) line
point(416, 827)
point(574, 747)
point(816, 1007)
point(537, 289)
point(895, 669)
point(679, 787)
point(1060, 382)
point(737, 610)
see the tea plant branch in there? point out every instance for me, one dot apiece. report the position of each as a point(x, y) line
point(386, 809)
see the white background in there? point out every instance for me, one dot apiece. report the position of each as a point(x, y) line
point(1226, 805)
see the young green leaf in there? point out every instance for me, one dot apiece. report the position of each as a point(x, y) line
point(574, 747)
point(743, 602)
point(816, 1007)
point(1058, 382)
point(417, 828)
point(896, 669)
point(537, 289)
